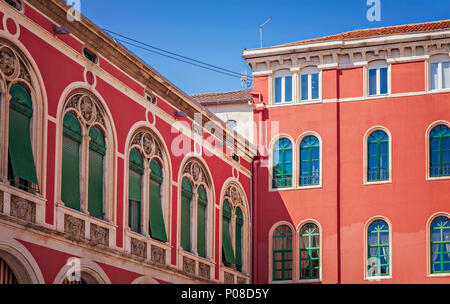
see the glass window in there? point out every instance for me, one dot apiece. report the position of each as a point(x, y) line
point(440, 75)
point(440, 245)
point(283, 89)
point(310, 161)
point(310, 86)
point(278, 92)
point(378, 157)
point(446, 75)
point(378, 81)
point(378, 249)
point(440, 151)
point(282, 253)
point(288, 89)
point(309, 252)
point(434, 71)
point(282, 165)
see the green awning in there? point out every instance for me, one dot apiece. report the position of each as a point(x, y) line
point(226, 237)
point(157, 227)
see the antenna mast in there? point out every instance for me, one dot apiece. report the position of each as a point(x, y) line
point(261, 28)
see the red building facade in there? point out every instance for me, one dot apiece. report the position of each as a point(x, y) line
point(108, 171)
point(352, 184)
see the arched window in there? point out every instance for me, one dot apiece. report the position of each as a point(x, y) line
point(21, 166)
point(70, 179)
point(146, 175)
point(227, 245)
point(282, 253)
point(282, 164)
point(86, 177)
point(309, 252)
point(186, 197)
point(195, 209)
point(136, 166)
point(7, 276)
point(310, 161)
point(97, 151)
point(378, 156)
point(378, 250)
point(440, 151)
point(440, 245)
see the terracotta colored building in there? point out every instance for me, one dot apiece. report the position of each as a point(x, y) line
point(353, 180)
point(108, 172)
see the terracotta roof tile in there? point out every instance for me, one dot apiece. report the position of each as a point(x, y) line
point(374, 32)
point(223, 97)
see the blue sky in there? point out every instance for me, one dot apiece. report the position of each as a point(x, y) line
point(217, 31)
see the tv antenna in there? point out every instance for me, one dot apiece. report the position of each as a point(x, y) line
point(245, 81)
point(261, 30)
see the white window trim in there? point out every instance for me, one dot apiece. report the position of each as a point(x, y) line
point(439, 60)
point(297, 265)
point(282, 74)
point(427, 150)
point(366, 243)
point(377, 65)
point(294, 253)
point(365, 158)
point(428, 246)
point(297, 155)
point(271, 160)
point(309, 72)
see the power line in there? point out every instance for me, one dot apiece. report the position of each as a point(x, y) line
point(194, 64)
point(203, 64)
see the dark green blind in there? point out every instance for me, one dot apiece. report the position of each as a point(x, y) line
point(70, 183)
point(239, 223)
point(227, 245)
point(157, 227)
point(201, 221)
point(135, 176)
point(95, 189)
point(20, 150)
point(186, 197)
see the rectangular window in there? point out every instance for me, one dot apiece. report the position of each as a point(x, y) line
point(95, 188)
point(310, 86)
point(157, 226)
point(305, 91)
point(288, 89)
point(315, 86)
point(373, 82)
point(70, 181)
point(378, 81)
point(383, 81)
point(278, 90)
point(134, 216)
point(440, 75)
point(446, 75)
point(434, 76)
point(283, 89)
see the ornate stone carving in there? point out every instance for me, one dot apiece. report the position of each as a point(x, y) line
point(99, 235)
point(189, 265)
point(204, 271)
point(86, 107)
point(196, 171)
point(74, 227)
point(148, 143)
point(138, 248)
point(158, 255)
point(23, 209)
point(228, 278)
point(241, 280)
point(8, 62)
point(234, 195)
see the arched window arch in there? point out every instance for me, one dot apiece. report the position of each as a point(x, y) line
point(440, 245)
point(282, 164)
point(378, 156)
point(282, 263)
point(148, 185)
point(439, 151)
point(309, 252)
point(310, 161)
point(196, 209)
point(87, 129)
point(378, 249)
point(21, 121)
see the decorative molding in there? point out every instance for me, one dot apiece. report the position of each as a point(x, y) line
point(241, 281)
point(74, 227)
point(158, 255)
point(189, 265)
point(204, 270)
point(228, 278)
point(99, 235)
point(23, 209)
point(138, 248)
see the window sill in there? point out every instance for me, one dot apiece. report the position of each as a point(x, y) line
point(378, 96)
point(309, 187)
point(437, 178)
point(438, 275)
point(282, 282)
point(437, 91)
point(377, 183)
point(378, 278)
point(310, 281)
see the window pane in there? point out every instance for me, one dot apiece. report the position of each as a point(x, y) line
point(383, 81)
point(277, 90)
point(434, 76)
point(288, 89)
point(373, 82)
point(305, 95)
point(315, 86)
point(446, 75)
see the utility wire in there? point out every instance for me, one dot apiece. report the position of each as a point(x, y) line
point(216, 68)
point(194, 64)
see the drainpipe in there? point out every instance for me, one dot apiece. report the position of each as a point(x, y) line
point(338, 179)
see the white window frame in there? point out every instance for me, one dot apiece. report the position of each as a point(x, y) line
point(378, 65)
point(439, 60)
point(282, 74)
point(310, 71)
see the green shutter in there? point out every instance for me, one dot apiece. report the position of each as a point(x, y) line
point(186, 197)
point(70, 179)
point(95, 188)
point(201, 222)
point(226, 237)
point(239, 223)
point(157, 227)
point(20, 149)
point(134, 216)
